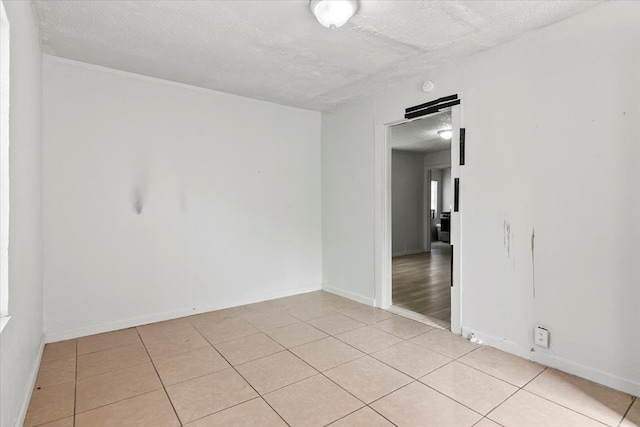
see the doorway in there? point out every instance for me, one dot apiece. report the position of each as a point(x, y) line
point(382, 215)
point(421, 199)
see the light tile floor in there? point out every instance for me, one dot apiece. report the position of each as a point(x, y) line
point(308, 360)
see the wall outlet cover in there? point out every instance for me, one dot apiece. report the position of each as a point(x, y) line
point(541, 336)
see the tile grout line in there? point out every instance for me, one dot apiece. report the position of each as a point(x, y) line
point(490, 420)
point(262, 357)
point(441, 353)
point(365, 354)
point(481, 371)
point(110, 348)
point(454, 400)
point(566, 407)
point(114, 370)
point(493, 376)
point(417, 380)
point(360, 409)
point(373, 409)
point(512, 394)
point(50, 386)
point(518, 389)
point(117, 401)
point(303, 322)
point(227, 341)
point(404, 373)
point(347, 391)
point(164, 388)
point(322, 373)
point(557, 403)
point(635, 399)
point(266, 333)
point(391, 392)
point(302, 360)
point(75, 386)
point(392, 367)
point(243, 378)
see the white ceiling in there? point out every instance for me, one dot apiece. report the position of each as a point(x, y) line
point(421, 135)
point(276, 50)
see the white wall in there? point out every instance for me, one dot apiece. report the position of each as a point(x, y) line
point(436, 175)
point(407, 204)
point(22, 340)
point(347, 224)
point(572, 89)
point(228, 190)
point(437, 160)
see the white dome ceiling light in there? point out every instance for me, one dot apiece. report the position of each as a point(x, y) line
point(445, 133)
point(333, 13)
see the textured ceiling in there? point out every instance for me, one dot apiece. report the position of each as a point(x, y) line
point(276, 50)
point(422, 136)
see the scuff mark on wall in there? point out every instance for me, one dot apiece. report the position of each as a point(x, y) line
point(507, 237)
point(140, 179)
point(533, 260)
point(138, 200)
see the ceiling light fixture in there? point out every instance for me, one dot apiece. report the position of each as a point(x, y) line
point(333, 13)
point(445, 133)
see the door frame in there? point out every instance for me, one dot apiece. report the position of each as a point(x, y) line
point(383, 220)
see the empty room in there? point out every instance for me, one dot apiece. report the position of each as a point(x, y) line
point(200, 220)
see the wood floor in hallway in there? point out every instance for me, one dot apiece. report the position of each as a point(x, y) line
point(422, 282)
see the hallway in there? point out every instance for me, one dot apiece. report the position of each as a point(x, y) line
point(422, 282)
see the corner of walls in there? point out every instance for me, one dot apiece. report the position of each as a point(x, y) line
point(350, 295)
point(31, 382)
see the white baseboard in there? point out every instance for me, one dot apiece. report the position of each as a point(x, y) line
point(31, 382)
point(54, 336)
point(413, 252)
point(350, 295)
point(559, 363)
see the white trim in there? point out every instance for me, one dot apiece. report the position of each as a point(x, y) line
point(57, 59)
point(440, 324)
point(169, 315)
point(382, 214)
point(350, 295)
point(455, 224)
point(5, 199)
point(31, 382)
point(556, 362)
